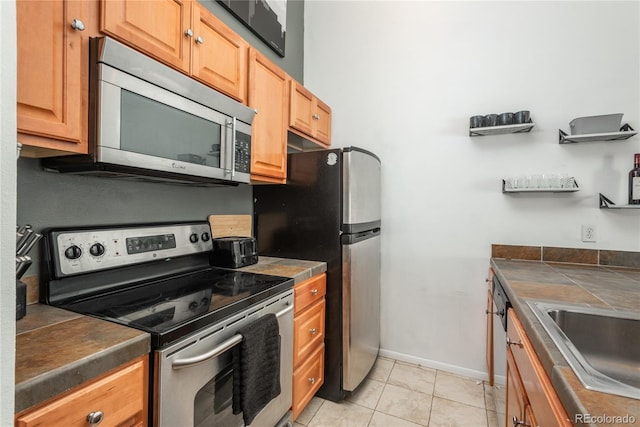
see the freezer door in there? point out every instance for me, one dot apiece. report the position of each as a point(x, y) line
point(360, 191)
point(361, 306)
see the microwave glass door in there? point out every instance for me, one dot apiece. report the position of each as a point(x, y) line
point(153, 128)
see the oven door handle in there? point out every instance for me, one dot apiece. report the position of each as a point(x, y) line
point(215, 352)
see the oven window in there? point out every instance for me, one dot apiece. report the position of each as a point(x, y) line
point(213, 403)
point(150, 127)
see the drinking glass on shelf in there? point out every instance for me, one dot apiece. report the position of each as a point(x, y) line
point(563, 179)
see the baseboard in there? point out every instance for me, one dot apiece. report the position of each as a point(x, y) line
point(457, 370)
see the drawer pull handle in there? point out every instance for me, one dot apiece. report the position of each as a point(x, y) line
point(313, 331)
point(516, 422)
point(314, 292)
point(312, 380)
point(518, 343)
point(95, 418)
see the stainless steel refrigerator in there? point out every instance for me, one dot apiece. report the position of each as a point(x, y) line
point(329, 210)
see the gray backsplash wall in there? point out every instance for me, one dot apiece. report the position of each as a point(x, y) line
point(48, 199)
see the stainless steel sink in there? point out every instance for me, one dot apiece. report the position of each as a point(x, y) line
point(601, 346)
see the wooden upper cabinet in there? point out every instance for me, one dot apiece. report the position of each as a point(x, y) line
point(185, 35)
point(308, 115)
point(269, 96)
point(219, 55)
point(156, 27)
point(52, 75)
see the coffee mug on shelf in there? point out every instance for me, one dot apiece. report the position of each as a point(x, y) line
point(491, 120)
point(521, 117)
point(505, 119)
point(476, 121)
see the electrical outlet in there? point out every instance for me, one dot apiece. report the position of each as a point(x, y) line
point(588, 233)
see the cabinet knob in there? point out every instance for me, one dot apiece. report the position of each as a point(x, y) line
point(516, 422)
point(188, 32)
point(313, 331)
point(312, 380)
point(77, 24)
point(518, 343)
point(316, 117)
point(95, 418)
point(314, 292)
point(199, 40)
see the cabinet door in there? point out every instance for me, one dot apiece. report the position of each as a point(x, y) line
point(489, 342)
point(545, 403)
point(302, 108)
point(516, 400)
point(308, 332)
point(309, 292)
point(323, 122)
point(121, 396)
point(307, 379)
point(52, 74)
point(156, 27)
point(269, 96)
point(219, 56)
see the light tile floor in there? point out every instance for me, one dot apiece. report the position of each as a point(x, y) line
point(398, 394)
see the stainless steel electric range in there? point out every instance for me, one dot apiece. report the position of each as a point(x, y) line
point(157, 278)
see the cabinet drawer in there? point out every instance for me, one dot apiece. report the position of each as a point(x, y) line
point(544, 401)
point(120, 395)
point(309, 291)
point(308, 331)
point(307, 379)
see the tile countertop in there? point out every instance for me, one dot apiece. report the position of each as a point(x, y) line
point(57, 349)
point(580, 278)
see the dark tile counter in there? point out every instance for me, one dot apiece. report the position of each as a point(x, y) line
point(576, 276)
point(299, 270)
point(57, 350)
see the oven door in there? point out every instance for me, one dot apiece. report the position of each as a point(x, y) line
point(143, 125)
point(194, 377)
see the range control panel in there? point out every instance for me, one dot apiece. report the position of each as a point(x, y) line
point(84, 251)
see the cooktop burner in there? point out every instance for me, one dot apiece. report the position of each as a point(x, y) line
point(139, 280)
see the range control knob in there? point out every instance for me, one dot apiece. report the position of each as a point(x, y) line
point(73, 252)
point(193, 238)
point(205, 237)
point(97, 249)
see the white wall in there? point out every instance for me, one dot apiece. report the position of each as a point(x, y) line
point(403, 78)
point(7, 208)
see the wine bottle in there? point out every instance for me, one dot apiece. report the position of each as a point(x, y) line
point(634, 181)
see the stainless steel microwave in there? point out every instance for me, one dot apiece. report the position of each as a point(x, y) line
point(150, 122)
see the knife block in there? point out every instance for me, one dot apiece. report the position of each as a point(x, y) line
point(21, 299)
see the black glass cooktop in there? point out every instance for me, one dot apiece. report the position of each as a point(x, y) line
point(171, 308)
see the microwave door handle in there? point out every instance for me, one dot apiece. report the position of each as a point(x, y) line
point(233, 147)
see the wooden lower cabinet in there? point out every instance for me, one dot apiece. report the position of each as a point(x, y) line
point(308, 340)
point(307, 379)
point(120, 395)
point(490, 319)
point(530, 394)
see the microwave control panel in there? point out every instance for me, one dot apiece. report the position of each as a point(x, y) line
point(243, 152)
